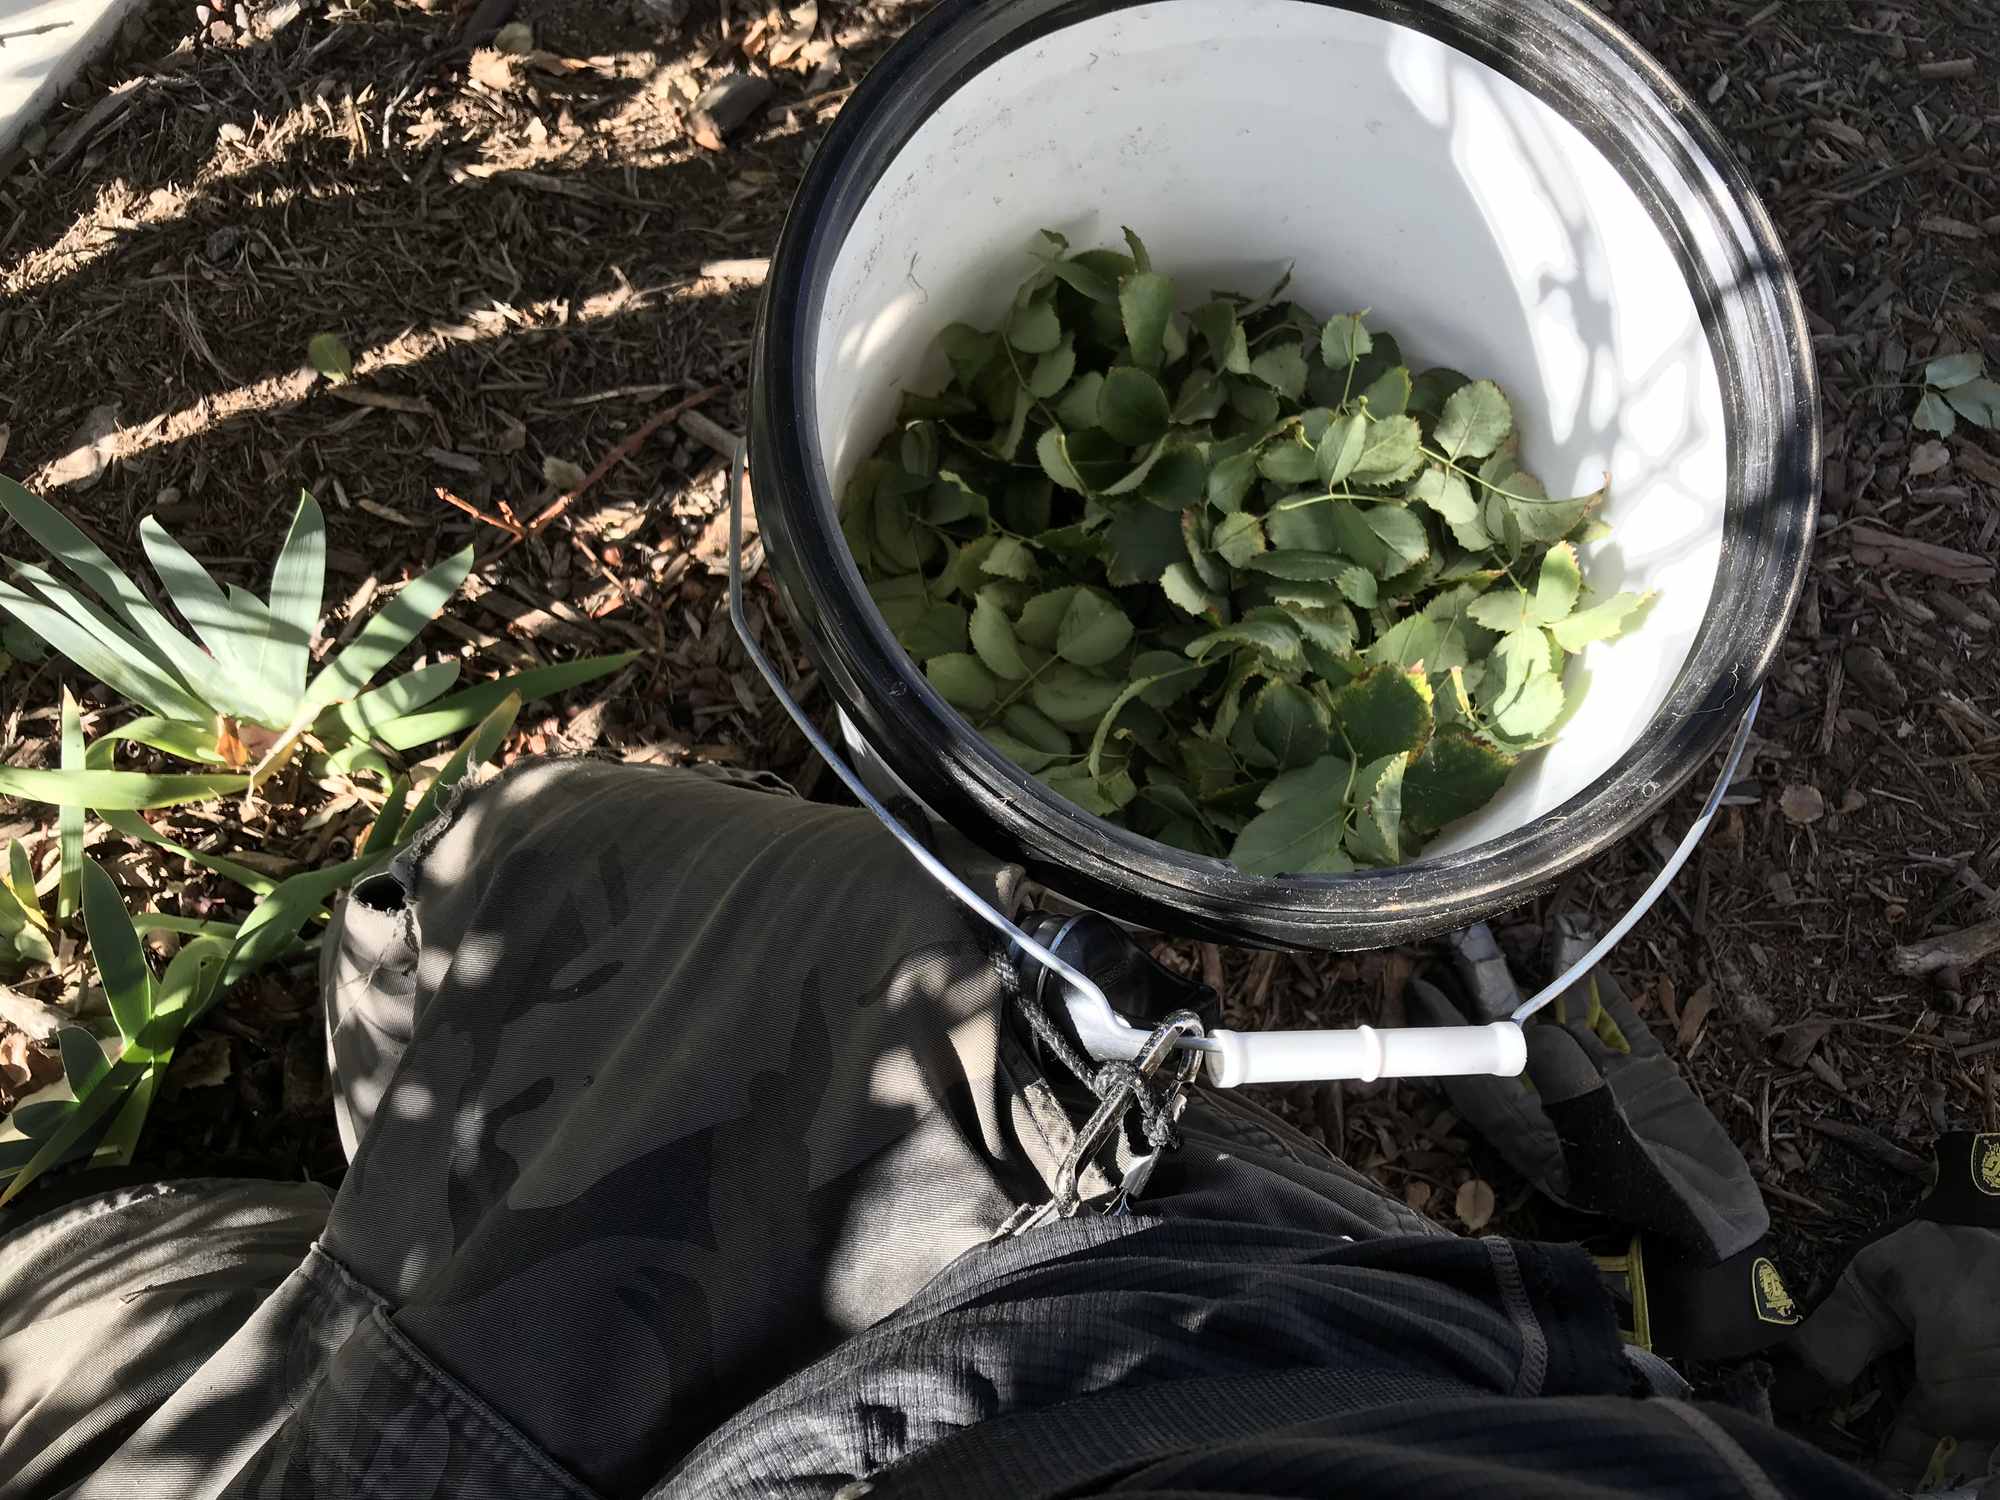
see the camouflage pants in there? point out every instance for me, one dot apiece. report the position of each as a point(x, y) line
point(656, 1088)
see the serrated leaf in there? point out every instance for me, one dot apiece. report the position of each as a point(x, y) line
point(1289, 722)
point(1388, 395)
point(1179, 479)
point(1340, 448)
point(1411, 640)
point(1093, 630)
point(1034, 327)
point(962, 681)
point(1269, 632)
point(1556, 587)
point(328, 354)
point(1172, 678)
point(1343, 341)
point(1137, 476)
point(1457, 774)
point(1384, 711)
point(1299, 566)
point(1052, 371)
point(1132, 407)
point(968, 351)
point(1378, 824)
point(1430, 390)
point(1326, 780)
point(1300, 836)
point(1475, 420)
point(1197, 537)
point(1042, 616)
point(1390, 452)
point(1287, 459)
point(1533, 709)
point(1009, 558)
point(1187, 593)
point(1132, 692)
point(1934, 414)
point(1230, 479)
point(1146, 305)
point(1028, 757)
point(1052, 449)
point(1238, 538)
point(1078, 407)
point(1950, 370)
point(1035, 728)
point(1603, 621)
point(1283, 368)
point(993, 640)
point(1072, 697)
point(1141, 543)
point(1447, 492)
point(1102, 796)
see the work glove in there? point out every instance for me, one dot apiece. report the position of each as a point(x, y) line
point(1933, 1284)
point(1603, 1122)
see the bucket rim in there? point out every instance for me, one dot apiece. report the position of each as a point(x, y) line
point(1738, 275)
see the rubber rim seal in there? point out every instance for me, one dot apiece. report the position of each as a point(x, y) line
point(1736, 270)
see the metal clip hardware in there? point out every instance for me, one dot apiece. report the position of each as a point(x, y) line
point(1124, 1085)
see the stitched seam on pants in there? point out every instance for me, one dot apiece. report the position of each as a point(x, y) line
point(1534, 1367)
point(1755, 1481)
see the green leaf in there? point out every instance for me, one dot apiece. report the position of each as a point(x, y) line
point(1142, 542)
point(125, 791)
point(1009, 559)
point(1042, 616)
point(328, 354)
point(298, 585)
point(1230, 478)
point(273, 925)
point(1146, 303)
point(1603, 621)
point(1340, 448)
point(1132, 407)
point(1476, 418)
point(1934, 414)
point(1024, 755)
point(1141, 260)
point(1270, 632)
point(968, 350)
point(397, 698)
point(1100, 796)
point(21, 876)
point(69, 821)
point(1343, 341)
point(1034, 327)
point(385, 635)
point(1389, 452)
point(1533, 709)
point(1388, 395)
point(1088, 280)
point(175, 737)
point(1187, 593)
point(183, 990)
point(1386, 538)
point(138, 829)
point(1299, 566)
point(1037, 729)
point(1430, 390)
point(1446, 492)
point(114, 944)
point(1007, 441)
point(230, 634)
point(1078, 407)
point(1978, 401)
point(1325, 780)
point(1072, 697)
point(1377, 834)
point(1238, 538)
point(385, 833)
point(465, 708)
point(1139, 474)
point(84, 1063)
point(962, 681)
point(1457, 774)
point(475, 750)
point(1053, 370)
point(76, 1123)
point(1132, 692)
point(1949, 371)
point(1283, 368)
point(69, 624)
point(1300, 836)
point(993, 639)
point(1557, 586)
point(1052, 448)
point(1093, 631)
point(1287, 459)
point(1412, 641)
point(1383, 711)
point(1289, 722)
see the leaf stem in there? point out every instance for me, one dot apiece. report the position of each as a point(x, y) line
point(1025, 683)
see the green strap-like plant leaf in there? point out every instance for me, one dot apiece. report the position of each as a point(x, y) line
point(479, 747)
point(298, 587)
point(69, 820)
point(386, 634)
point(114, 944)
point(111, 1089)
point(116, 791)
point(78, 631)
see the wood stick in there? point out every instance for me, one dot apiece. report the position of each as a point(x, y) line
point(1955, 950)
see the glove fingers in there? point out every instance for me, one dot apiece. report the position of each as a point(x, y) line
point(1490, 991)
point(1561, 1064)
point(1507, 1116)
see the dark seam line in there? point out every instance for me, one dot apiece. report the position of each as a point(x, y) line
point(1755, 1480)
point(1534, 1367)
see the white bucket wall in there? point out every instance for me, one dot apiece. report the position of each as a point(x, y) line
point(1396, 174)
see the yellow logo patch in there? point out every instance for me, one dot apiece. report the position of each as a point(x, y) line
point(1769, 1294)
point(1986, 1164)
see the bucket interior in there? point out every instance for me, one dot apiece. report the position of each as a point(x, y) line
point(1394, 174)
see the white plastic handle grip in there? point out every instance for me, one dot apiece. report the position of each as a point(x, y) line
point(1365, 1053)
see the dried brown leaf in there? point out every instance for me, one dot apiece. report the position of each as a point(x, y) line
point(1803, 804)
point(1474, 1204)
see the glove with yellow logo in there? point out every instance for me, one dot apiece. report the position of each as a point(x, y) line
point(1604, 1122)
point(1933, 1284)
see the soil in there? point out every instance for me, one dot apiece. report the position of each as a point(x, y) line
point(530, 254)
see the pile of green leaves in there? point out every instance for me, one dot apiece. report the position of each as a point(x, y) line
point(1237, 580)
